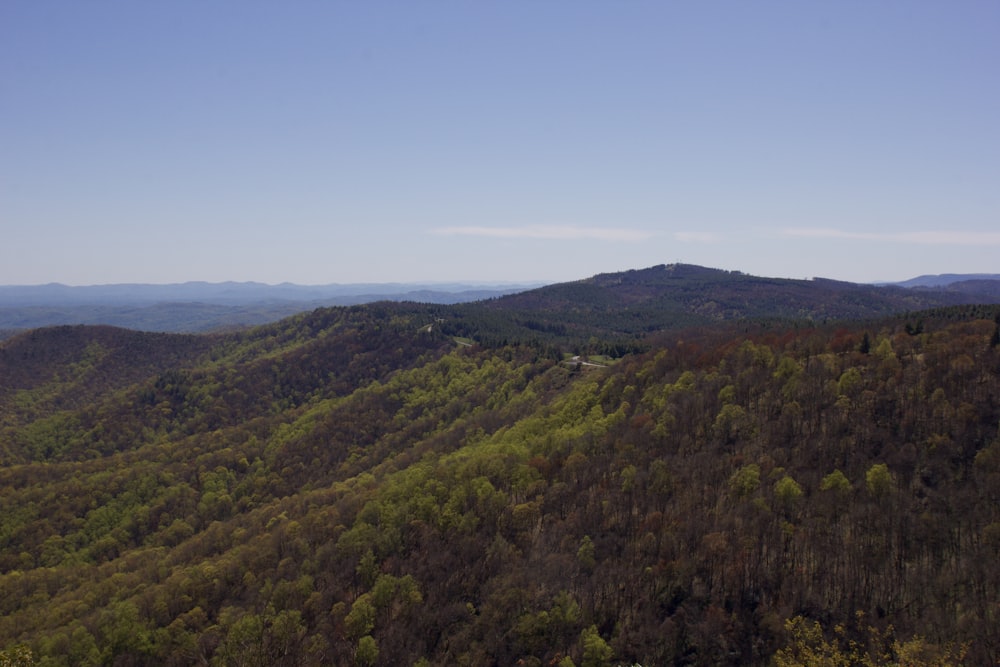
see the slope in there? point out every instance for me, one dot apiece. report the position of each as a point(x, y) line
point(619, 310)
point(349, 486)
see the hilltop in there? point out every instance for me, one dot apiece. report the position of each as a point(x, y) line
point(396, 483)
point(621, 310)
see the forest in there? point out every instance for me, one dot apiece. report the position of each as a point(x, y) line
point(398, 484)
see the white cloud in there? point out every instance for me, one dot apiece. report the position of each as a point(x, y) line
point(549, 232)
point(920, 238)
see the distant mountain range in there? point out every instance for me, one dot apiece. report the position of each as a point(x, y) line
point(946, 279)
point(628, 303)
point(202, 306)
point(247, 293)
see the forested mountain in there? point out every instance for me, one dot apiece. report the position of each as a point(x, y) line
point(617, 312)
point(617, 308)
point(370, 485)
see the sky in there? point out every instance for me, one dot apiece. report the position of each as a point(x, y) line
point(335, 141)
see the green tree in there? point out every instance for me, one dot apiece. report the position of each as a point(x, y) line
point(125, 633)
point(585, 555)
point(596, 652)
point(367, 652)
point(244, 643)
point(745, 481)
point(878, 479)
point(837, 482)
point(367, 569)
point(287, 633)
point(787, 493)
point(361, 619)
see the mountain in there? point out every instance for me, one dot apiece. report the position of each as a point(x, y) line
point(619, 305)
point(240, 293)
point(622, 309)
point(199, 306)
point(713, 294)
point(946, 279)
point(369, 485)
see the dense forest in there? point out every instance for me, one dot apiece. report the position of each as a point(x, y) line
point(392, 485)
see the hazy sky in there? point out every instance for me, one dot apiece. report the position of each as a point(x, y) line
point(329, 141)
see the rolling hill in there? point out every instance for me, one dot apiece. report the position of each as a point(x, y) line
point(398, 483)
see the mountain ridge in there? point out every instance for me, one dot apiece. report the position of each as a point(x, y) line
point(200, 306)
point(364, 485)
point(232, 292)
point(626, 306)
point(942, 279)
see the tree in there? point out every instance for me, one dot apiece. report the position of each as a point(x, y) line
point(596, 652)
point(287, 633)
point(367, 568)
point(878, 479)
point(837, 482)
point(367, 651)
point(787, 493)
point(585, 555)
point(361, 619)
point(244, 643)
point(745, 481)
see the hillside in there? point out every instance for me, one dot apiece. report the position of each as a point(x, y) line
point(620, 310)
point(353, 486)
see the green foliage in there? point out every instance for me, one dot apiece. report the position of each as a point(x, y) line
point(346, 487)
point(361, 619)
point(878, 479)
point(787, 493)
point(850, 382)
point(367, 652)
point(837, 482)
point(810, 646)
point(596, 651)
point(745, 481)
point(367, 569)
point(244, 642)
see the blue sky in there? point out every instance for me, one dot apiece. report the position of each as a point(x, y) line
point(324, 141)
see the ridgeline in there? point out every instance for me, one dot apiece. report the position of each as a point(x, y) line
point(748, 471)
